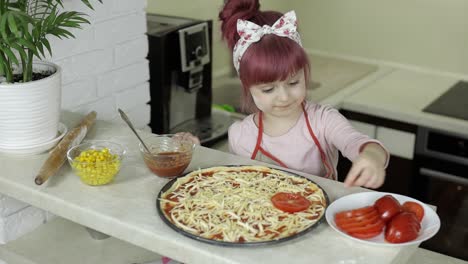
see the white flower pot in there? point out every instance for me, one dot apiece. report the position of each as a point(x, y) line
point(30, 112)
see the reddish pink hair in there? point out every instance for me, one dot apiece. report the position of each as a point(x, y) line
point(271, 59)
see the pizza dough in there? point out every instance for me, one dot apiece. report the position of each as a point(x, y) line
point(232, 204)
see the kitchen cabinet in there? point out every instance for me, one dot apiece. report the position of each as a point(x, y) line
point(398, 137)
point(399, 143)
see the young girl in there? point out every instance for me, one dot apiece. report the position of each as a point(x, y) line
point(284, 128)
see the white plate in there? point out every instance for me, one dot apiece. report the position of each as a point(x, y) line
point(429, 226)
point(36, 148)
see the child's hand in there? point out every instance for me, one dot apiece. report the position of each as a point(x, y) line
point(368, 169)
point(187, 136)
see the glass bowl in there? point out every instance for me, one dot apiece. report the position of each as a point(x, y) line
point(96, 162)
point(169, 156)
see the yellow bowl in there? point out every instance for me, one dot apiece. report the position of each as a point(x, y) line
point(96, 162)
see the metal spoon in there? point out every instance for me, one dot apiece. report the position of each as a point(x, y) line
point(125, 118)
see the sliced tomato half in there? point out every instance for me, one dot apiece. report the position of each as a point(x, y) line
point(350, 224)
point(402, 228)
point(377, 226)
point(365, 235)
point(361, 223)
point(290, 202)
point(414, 208)
point(368, 218)
point(355, 212)
point(388, 207)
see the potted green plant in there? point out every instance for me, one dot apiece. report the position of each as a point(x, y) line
point(30, 89)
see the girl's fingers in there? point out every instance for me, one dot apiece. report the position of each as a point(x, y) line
point(372, 182)
point(363, 178)
point(195, 140)
point(187, 136)
point(365, 173)
point(375, 179)
point(179, 136)
point(380, 179)
point(353, 174)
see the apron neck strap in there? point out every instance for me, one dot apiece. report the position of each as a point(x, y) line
point(259, 136)
point(327, 166)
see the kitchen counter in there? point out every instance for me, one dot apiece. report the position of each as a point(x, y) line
point(66, 242)
point(126, 209)
point(424, 256)
point(402, 95)
point(333, 75)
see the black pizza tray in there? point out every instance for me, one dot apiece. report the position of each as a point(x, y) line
point(168, 185)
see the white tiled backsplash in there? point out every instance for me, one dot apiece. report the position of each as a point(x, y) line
point(104, 68)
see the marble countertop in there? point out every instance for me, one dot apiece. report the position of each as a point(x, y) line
point(331, 75)
point(424, 256)
point(402, 95)
point(126, 209)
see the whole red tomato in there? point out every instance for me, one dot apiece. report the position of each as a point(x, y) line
point(402, 228)
point(387, 206)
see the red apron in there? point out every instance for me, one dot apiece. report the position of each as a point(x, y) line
point(260, 154)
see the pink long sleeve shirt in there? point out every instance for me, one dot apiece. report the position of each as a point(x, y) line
point(296, 148)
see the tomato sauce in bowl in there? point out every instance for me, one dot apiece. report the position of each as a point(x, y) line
point(169, 157)
point(168, 164)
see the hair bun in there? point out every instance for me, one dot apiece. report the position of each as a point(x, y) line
point(231, 12)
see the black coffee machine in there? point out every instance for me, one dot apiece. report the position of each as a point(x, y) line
point(180, 59)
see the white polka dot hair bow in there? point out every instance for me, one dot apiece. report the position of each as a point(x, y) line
point(285, 26)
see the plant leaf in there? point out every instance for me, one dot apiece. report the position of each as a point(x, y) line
point(40, 48)
point(3, 27)
point(60, 3)
point(2, 66)
point(28, 44)
point(22, 53)
point(2, 71)
point(12, 25)
point(70, 24)
point(62, 33)
point(86, 2)
point(37, 31)
point(46, 43)
point(81, 19)
point(50, 20)
point(10, 55)
point(24, 22)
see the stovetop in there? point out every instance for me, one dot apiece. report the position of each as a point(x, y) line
point(453, 103)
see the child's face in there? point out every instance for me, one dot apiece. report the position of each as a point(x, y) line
point(280, 98)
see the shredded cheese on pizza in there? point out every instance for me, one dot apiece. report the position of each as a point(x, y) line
point(232, 204)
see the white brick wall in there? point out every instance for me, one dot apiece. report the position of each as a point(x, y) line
point(107, 58)
point(104, 68)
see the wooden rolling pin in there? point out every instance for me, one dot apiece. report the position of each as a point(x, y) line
point(59, 154)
